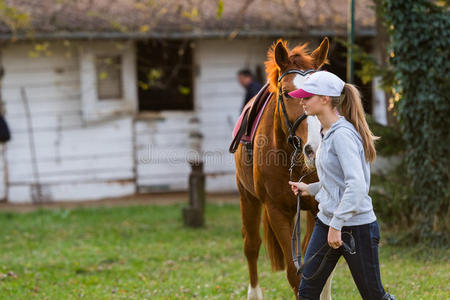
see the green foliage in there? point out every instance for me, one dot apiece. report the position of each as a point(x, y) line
point(13, 18)
point(391, 141)
point(391, 196)
point(419, 51)
point(370, 68)
point(390, 190)
point(219, 9)
point(144, 252)
point(184, 90)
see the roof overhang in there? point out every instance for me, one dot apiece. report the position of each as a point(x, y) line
point(83, 35)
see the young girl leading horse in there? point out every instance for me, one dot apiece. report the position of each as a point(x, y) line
point(343, 167)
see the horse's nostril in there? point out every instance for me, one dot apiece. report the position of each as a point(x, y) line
point(309, 150)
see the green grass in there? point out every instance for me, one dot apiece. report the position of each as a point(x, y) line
point(144, 252)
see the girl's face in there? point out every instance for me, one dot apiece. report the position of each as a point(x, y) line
point(314, 105)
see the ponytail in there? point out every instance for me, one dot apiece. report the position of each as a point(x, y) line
point(352, 109)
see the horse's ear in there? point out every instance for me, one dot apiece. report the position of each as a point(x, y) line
point(281, 55)
point(320, 54)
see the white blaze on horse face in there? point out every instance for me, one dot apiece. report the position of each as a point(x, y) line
point(313, 132)
point(314, 139)
point(254, 293)
point(299, 80)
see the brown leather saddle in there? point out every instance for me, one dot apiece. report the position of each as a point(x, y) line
point(245, 128)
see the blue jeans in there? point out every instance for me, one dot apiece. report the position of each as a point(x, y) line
point(363, 265)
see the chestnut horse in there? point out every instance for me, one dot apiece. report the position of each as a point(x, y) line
point(263, 183)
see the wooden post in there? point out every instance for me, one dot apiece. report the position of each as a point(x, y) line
point(194, 214)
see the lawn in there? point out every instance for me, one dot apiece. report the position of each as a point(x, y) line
point(144, 252)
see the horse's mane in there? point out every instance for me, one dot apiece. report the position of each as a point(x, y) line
point(299, 58)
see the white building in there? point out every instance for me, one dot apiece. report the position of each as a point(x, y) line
point(84, 124)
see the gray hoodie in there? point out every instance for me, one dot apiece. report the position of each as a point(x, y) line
point(344, 175)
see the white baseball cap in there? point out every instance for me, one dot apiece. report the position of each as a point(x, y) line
point(320, 83)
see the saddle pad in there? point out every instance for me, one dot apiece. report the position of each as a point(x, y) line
point(255, 123)
point(239, 121)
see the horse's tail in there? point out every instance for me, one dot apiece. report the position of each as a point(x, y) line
point(272, 245)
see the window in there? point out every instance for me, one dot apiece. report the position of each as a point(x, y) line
point(109, 79)
point(164, 71)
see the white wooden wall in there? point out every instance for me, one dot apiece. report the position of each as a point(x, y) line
point(75, 160)
point(218, 101)
point(162, 150)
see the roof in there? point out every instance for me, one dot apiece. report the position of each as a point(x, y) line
point(177, 19)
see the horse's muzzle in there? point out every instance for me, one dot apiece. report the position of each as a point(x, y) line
point(309, 152)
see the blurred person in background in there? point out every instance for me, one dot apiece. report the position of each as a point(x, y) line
point(251, 85)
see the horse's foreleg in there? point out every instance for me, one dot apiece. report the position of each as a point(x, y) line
point(282, 226)
point(326, 291)
point(251, 219)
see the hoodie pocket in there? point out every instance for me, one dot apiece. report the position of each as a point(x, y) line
point(330, 202)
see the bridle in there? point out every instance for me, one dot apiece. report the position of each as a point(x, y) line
point(296, 143)
point(293, 140)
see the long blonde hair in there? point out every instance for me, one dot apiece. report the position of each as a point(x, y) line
point(352, 109)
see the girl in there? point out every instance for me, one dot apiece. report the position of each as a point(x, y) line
point(342, 163)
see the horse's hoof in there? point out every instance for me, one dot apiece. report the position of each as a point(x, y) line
point(254, 293)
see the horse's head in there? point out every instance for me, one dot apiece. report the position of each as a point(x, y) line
point(282, 60)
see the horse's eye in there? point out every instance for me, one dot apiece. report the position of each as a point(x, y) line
point(286, 95)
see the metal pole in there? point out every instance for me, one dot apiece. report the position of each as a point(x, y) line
point(350, 40)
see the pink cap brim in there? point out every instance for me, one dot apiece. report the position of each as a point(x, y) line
point(300, 93)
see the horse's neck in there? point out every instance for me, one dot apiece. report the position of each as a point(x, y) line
point(278, 128)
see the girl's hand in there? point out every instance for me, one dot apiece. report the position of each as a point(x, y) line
point(334, 238)
point(299, 186)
